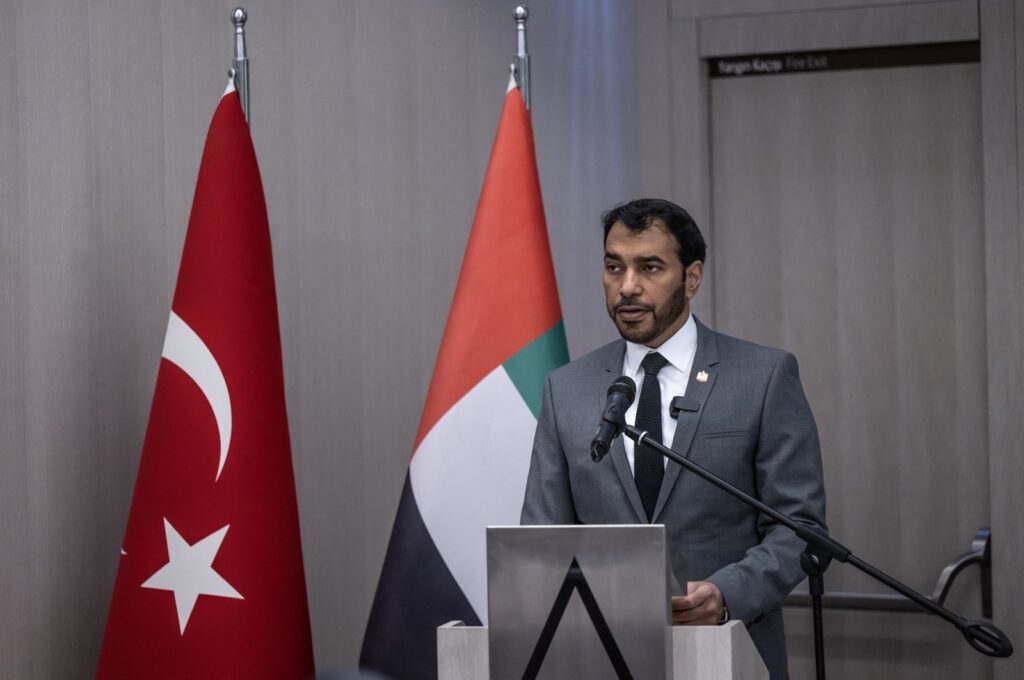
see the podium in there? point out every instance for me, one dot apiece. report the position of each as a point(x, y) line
point(588, 601)
point(698, 653)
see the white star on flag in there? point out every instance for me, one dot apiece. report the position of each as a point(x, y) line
point(189, 572)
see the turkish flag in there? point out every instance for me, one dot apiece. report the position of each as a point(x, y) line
point(210, 582)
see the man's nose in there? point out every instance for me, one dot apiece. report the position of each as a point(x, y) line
point(630, 284)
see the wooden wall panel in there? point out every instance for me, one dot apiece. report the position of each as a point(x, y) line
point(848, 223)
point(848, 27)
point(1002, 86)
point(372, 122)
point(15, 632)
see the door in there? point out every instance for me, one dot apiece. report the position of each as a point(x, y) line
point(847, 228)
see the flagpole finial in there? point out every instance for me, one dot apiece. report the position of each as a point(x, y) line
point(240, 64)
point(522, 61)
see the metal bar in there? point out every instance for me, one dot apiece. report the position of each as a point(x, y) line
point(857, 601)
point(986, 574)
point(240, 64)
point(979, 553)
point(522, 60)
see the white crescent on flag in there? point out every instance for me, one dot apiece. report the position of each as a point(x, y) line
point(184, 348)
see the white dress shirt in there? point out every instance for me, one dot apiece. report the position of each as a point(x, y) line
point(679, 350)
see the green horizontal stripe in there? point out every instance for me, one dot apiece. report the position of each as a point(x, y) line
point(530, 365)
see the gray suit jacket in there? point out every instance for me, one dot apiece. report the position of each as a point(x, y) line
point(753, 427)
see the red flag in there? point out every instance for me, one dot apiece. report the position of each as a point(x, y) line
point(210, 582)
point(472, 452)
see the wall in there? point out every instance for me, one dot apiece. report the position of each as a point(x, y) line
point(373, 123)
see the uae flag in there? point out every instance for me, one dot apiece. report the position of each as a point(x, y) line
point(210, 582)
point(472, 450)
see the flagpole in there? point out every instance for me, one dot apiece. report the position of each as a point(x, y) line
point(240, 64)
point(522, 61)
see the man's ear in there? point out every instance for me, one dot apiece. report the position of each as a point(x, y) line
point(692, 278)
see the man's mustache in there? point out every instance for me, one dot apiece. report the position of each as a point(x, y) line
point(632, 303)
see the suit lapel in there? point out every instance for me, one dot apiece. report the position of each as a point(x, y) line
point(618, 455)
point(705, 362)
point(612, 369)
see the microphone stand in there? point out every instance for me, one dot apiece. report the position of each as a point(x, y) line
point(982, 635)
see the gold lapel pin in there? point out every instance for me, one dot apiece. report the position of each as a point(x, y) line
point(702, 376)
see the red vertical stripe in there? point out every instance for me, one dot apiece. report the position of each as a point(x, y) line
point(506, 294)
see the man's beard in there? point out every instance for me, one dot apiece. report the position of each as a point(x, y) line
point(661, 319)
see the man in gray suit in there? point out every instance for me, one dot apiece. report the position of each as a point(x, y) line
point(742, 415)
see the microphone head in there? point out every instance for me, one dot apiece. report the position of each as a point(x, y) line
point(620, 396)
point(623, 385)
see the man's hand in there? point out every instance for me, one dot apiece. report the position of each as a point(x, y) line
point(701, 606)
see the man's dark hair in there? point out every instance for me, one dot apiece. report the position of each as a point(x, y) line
point(640, 214)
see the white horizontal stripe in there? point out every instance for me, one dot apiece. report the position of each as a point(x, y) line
point(469, 473)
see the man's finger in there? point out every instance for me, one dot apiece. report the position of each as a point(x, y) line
point(703, 621)
point(700, 606)
point(683, 602)
point(698, 616)
point(694, 599)
point(691, 613)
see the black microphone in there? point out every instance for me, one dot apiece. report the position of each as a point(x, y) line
point(620, 395)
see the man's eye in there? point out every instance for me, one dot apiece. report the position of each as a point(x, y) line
point(612, 268)
point(652, 268)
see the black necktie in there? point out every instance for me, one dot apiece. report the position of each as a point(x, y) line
point(648, 468)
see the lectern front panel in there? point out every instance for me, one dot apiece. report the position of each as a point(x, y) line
point(578, 602)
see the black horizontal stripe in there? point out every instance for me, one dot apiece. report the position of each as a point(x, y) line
point(415, 595)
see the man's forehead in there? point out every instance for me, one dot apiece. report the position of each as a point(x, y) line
point(654, 241)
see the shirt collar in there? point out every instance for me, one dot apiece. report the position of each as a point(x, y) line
point(677, 349)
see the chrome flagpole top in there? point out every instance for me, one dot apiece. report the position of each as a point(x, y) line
point(522, 60)
point(240, 64)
